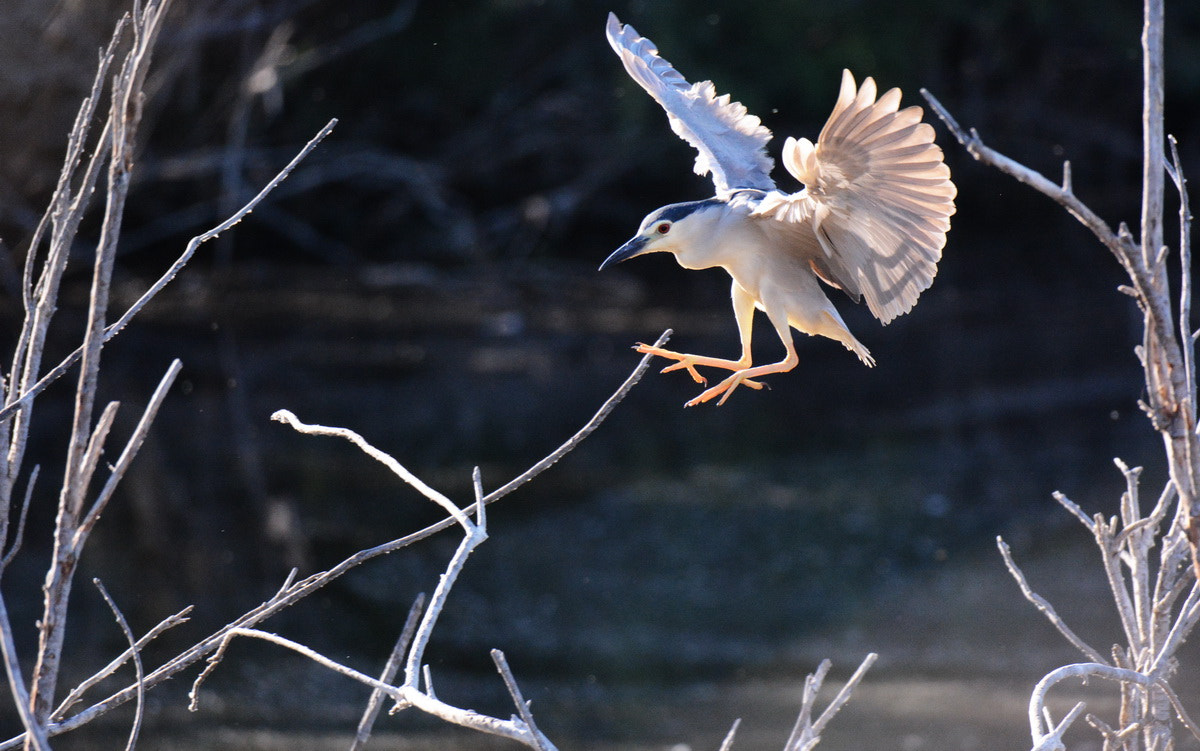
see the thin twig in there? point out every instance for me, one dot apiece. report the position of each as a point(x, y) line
point(65, 212)
point(807, 733)
point(463, 717)
point(1180, 712)
point(115, 328)
point(311, 654)
point(473, 536)
point(1134, 542)
point(1061, 194)
point(305, 587)
point(1110, 555)
point(583, 433)
point(1042, 604)
point(1185, 264)
point(1075, 511)
point(1052, 741)
point(727, 744)
point(85, 440)
point(139, 706)
point(363, 733)
point(1152, 133)
point(427, 675)
point(129, 452)
point(91, 456)
point(77, 693)
point(514, 691)
point(548, 461)
point(802, 730)
point(287, 582)
point(35, 732)
point(15, 544)
point(843, 695)
point(384, 458)
point(1189, 615)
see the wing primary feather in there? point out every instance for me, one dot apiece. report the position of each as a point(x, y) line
point(730, 142)
point(877, 199)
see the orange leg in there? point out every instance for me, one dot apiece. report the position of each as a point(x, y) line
point(742, 377)
point(743, 311)
point(689, 362)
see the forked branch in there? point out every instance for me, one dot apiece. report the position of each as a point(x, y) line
point(294, 591)
point(807, 732)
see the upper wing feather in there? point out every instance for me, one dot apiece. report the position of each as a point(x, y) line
point(878, 197)
point(731, 142)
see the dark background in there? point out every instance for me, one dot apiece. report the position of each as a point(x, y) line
point(427, 277)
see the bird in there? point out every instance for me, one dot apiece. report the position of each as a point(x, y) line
point(871, 218)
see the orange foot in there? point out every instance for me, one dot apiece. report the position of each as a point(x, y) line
point(689, 363)
point(686, 362)
point(725, 388)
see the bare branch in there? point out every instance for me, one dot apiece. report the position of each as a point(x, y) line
point(1189, 615)
point(1037, 700)
point(287, 582)
point(65, 212)
point(1077, 512)
point(35, 732)
point(1052, 741)
point(510, 682)
point(91, 456)
point(843, 695)
point(583, 433)
point(477, 486)
point(1044, 605)
point(290, 595)
point(390, 668)
point(807, 733)
point(130, 451)
point(428, 676)
point(548, 461)
point(77, 693)
point(115, 328)
point(137, 664)
point(474, 535)
point(1185, 276)
point(15, 544)
point(1152, 133)
point(387, 460)
point(1063, 195)
point(311, 654)
point(1180, 712)
point(405, 694)
point(727, 744)
point(812, 685)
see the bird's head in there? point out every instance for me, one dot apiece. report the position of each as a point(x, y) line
point(672, 229)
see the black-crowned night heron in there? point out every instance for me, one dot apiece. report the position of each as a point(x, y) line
point(871, 219)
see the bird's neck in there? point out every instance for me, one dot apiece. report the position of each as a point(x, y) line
point(716, 241)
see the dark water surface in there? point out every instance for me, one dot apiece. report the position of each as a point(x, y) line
point(678, 570)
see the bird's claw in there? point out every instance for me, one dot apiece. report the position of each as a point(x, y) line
point(725, 388)
point(686, 362)
point(689, 362)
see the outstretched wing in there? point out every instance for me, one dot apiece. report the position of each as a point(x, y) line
point(878, 197)
point(730, 140)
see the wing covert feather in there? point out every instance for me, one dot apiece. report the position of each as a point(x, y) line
point(878, 197)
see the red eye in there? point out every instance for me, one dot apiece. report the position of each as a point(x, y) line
point(663, 228)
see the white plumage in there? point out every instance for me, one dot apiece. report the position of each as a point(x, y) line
point(871, 219)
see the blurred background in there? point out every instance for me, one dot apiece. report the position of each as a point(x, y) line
point(427, 278)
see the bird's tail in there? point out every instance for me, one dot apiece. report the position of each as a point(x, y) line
point(863, 353)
